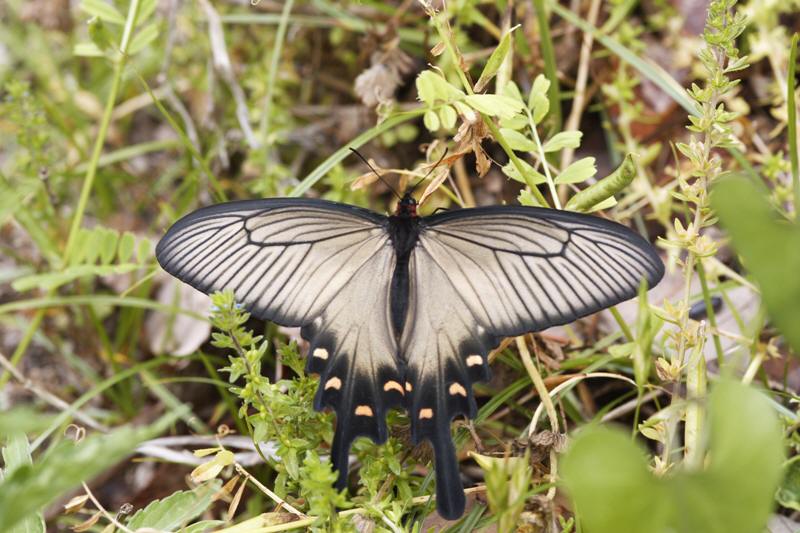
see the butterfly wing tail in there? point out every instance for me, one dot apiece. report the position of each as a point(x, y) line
point(450, 498)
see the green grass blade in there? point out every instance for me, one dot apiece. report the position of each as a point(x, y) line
point(344, 151)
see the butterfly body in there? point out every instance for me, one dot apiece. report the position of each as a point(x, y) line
point(402, 310)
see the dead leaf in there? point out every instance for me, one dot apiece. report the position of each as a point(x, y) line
point(439, 177)
point(87, 524)
point(75, 504)
point(177, 334)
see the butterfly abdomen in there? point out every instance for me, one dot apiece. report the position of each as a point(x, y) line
point(404, 234)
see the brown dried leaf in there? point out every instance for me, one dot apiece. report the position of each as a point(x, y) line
point(87, 524)
point(436, 182)
point(75, 504)
point(236, 499)
point(437, 50)
point(363, 180)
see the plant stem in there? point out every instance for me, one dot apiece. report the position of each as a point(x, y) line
point(791, 105)
point(710, 313)
point(273, 70)
point(543, 157)
point(547, 401)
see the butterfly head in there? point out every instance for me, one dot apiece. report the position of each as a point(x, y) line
point(407, 206)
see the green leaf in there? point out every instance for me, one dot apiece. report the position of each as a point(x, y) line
point(108, 245)
point(87, 49)
point(538, 102)
point(142, 38)
point(526, 197)
point(127, 243)
point(607, 477)
point(494, 105)
point(563, 139)
point(175, 510)
point(448, 117)
point(592, 196)
point(433, 88)
point(580, 170)
point(613, 491)
point(788, 494)
point(103, 11)
point(530, 176)
point(63, 468)
point(735, 494)
point(23, 420)
point(511, 90)
point(517, 141)
point(431, 120)
point(495, 60)
point(52, 280)
point(17, 454)
point(143, 250)
point(202, 527)
point(757, 232)
point(146, 9)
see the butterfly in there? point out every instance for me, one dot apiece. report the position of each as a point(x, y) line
point(403, 310)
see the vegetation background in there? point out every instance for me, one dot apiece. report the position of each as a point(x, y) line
point(676, 117)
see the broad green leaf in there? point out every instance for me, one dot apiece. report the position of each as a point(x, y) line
point(494, 105)
point(431, 120)
point(52, 280)
point(143, 37)
point(175, 510)
point(530, 176)
point(563, 139)
point(517, 141)
point(735, 494)
point(538, 102)
point(448, 117)
point(495, 61)
point(30, 488)
point(769, 245)
point(592, 196)
point(606, 476)
point(17, 454)
point(613, 491)
point(511, 90)
point(433, 88)
point(579, 171)
point(517, 122)
point(102, 10)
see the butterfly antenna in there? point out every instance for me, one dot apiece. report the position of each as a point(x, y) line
point(375, 171)
point(430, 171)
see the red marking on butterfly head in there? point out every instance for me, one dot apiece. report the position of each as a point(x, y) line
point(407, 206)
